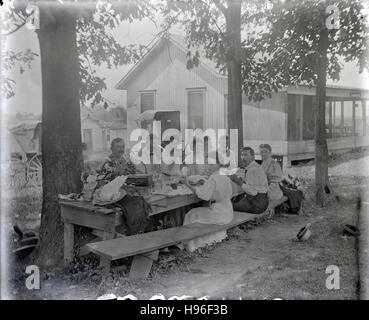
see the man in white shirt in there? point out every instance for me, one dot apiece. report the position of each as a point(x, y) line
point(254, 183)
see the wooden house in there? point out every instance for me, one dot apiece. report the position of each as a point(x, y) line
point(99, 127)
point(161, 81)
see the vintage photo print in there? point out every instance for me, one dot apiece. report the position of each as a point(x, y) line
point(184, 150)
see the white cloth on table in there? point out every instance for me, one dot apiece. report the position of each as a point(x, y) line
point(217, 188)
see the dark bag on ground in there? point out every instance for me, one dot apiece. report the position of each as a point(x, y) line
point(295, 198)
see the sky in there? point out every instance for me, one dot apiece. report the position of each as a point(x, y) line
point(28, 89)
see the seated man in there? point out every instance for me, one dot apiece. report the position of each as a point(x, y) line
point(117, 163)
point(254, 183)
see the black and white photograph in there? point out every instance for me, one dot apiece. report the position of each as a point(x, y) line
point(184, 150)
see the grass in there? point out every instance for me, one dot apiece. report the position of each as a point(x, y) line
point(298, 268)
point(24, 209)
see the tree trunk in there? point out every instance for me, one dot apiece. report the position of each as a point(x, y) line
point(61, 126)
point(321, 148)
point(233, 21)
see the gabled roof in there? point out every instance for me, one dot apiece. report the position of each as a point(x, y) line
point(179, 42)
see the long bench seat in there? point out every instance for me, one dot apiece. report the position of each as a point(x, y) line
point(145, 246)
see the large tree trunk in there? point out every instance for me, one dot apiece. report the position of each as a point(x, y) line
point(321, 148)
point(233, 20)
point(61, 127)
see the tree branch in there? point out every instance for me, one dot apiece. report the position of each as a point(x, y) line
point(18, 26)
point(221, 7)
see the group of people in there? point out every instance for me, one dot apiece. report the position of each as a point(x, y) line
point(118, 163)
point(257, 184)
point(249, 189)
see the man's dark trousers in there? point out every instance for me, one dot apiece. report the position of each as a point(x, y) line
point(251, 204)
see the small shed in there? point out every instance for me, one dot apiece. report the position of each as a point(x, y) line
point(100, 126)
point(10, 148)
point(28, 136)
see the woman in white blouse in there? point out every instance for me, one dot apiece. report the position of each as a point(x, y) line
point(218, 190)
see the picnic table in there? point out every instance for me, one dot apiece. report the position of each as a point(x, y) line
point(143, 247)
point(105, 220)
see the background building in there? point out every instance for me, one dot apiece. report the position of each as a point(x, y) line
point(161, 81)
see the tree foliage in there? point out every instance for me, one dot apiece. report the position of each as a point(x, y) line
point(12, 61)
point(290, 43)
point(306, 42)
point(12, 21)
point(96, 44)
point(205, 24)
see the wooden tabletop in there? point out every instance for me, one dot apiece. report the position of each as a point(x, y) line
point(159, 204)
point(85, 205)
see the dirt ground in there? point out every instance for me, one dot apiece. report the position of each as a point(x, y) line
point(255, 262)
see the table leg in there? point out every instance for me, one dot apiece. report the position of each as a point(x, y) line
point(68, 242)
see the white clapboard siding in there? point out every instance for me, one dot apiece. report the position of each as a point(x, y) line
point(171, 85)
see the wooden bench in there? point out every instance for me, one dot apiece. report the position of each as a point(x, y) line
point(145, 247)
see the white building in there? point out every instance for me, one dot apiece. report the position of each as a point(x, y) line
point(161, 81)
point(99, 127)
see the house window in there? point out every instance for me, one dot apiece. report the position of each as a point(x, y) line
point(87, 138)
point(147, 100)
point(195, 108)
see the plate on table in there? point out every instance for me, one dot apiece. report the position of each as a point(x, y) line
point(196, 180)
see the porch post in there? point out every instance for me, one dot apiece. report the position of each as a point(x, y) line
point(363, 104)
point(342, 116)
point(300, 115)
point(330, 119)
point(354, 117)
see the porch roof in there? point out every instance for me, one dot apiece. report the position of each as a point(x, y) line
point(333, 91)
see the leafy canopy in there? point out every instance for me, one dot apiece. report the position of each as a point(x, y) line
point(95, 43)
point(290, 41)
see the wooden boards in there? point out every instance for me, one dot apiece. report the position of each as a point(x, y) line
point(85, 205)
point(141, 243)
point(82, 217)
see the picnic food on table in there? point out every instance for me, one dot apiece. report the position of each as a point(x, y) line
point(196, 180)
point(111, 192)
